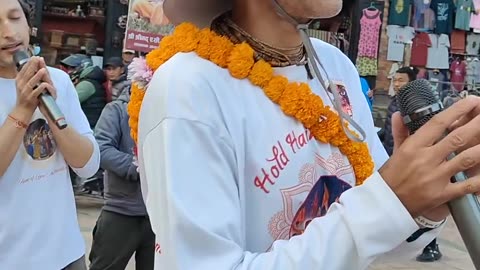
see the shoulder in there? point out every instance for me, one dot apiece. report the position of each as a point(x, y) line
point(339, 67)
point(185, 87)
point(85, 85)
point(58, 76)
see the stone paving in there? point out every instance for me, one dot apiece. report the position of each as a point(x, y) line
point(455, 255)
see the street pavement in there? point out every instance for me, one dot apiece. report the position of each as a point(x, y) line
point(455, 256)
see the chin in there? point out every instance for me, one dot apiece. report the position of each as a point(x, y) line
point(312, 9)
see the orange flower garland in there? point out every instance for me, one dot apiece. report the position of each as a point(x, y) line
point(295, 99)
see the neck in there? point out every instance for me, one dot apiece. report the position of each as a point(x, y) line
point(260, 20)
point(8, 72)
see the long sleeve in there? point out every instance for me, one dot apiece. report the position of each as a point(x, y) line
point(77, 120)
point(108, 133)
point(196, 215)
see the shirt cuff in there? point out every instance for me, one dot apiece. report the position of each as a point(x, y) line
point(374, 203)
point(93, 164)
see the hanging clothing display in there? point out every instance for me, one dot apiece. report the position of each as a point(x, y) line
point(367, 66)
point(436, 77)
point(458, 42)
point(444, 10)
point(474, 17)
point(458, 71)
point(420, 46)
point(370, 24)
point(472, 71)
point(463, 14)
point(438, 52)
point(399, 12)
point(423, 16)
point(398, 36)
point(473, 42)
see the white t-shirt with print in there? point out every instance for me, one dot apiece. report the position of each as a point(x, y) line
point(38, 221)
point(229, 179)
point(438, 53)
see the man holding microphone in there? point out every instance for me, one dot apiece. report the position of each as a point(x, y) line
point(38, 222)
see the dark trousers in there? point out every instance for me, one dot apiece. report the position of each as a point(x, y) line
point(432, 244)
point(77, 265)
point(117, 237)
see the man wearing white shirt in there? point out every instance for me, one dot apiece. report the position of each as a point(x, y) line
point(38, 221)
point(231, 182)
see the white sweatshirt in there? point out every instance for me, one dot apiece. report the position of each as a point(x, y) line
point(230, 181)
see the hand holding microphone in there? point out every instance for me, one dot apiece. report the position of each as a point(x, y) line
point(425, 171)
point(34, 87)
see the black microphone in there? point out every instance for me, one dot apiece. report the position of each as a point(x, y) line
point(417, 104)
point(21, 58)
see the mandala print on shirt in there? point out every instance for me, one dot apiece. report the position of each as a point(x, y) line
point(38, 140)
point(322, 192)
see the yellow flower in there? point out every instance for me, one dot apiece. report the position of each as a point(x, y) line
point(220, 50)
point(261, 73)
point(240, 61)
point(275, 88)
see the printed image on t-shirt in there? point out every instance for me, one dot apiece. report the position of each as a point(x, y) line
point(325, 192)
point(344, 99)
point(38, 140)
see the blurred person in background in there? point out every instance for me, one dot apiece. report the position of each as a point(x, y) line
point(117, 77)
point(91, 92)
point(367, 92)
point(127, 57)
point(403, 76)
point(123, 227)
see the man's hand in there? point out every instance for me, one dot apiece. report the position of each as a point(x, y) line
point(400, 134)
point(31, 81)
point(419, 173)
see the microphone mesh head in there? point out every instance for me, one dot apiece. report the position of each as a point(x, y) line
point(414, 96)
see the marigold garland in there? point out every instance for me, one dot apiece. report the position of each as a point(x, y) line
point(295, 99)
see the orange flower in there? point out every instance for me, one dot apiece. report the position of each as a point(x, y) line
point(186, 37)
point(133, 109)
point(310, 111)
point(204, 41)
point(291, 99)
point(221, 47)
point(327, 126)
point(295, 99)
point(261, 73)
point(275, 88)
point(166, 50)
point(241, 61)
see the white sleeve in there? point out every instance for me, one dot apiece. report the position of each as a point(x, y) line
point(195, 211)
point(78, 121)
